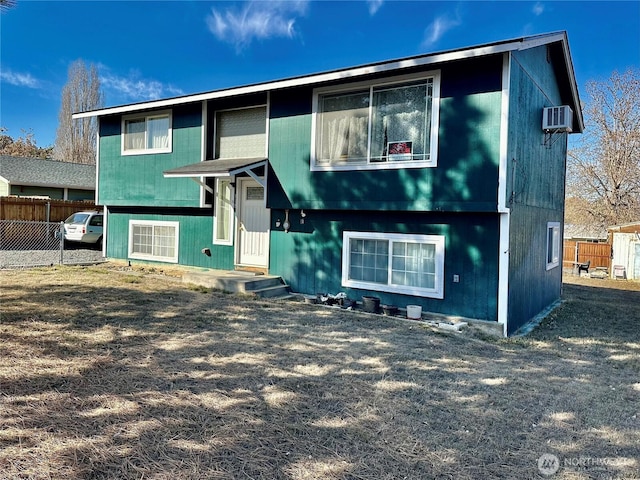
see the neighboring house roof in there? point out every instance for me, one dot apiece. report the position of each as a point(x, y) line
point(36, 172)
point(559, 54)
point(633, 227)
point(588, 232)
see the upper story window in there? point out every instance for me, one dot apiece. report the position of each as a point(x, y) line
point(377, 125)
point(146, 133)
point(241, 133)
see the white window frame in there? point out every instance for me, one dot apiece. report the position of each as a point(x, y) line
point(232, 213)
point(553, 246)
point(146, 117)
point(434, 75)
point(437, 240)
point(154, 223)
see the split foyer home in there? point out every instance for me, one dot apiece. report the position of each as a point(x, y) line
point(435, 180)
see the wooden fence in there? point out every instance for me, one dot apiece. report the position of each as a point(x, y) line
point(599, 254)
point(41, 209)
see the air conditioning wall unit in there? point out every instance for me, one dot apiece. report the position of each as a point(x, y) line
point(559, 119)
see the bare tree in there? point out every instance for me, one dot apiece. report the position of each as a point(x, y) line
point(76, 139)
point(604, 170)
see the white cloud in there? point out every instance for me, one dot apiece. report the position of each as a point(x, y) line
point(538, 9)
point(441, 25)
point(18, 79)
point(256, 20)
point(134, 88)
point(374, 6)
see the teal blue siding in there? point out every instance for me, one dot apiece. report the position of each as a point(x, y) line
point(465, 178)
point(309, 257)
point(195, 233)
point(138, 179)
point(535, 187)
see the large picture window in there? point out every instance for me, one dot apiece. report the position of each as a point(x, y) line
point(390, 125)
point(411, 264)
point(146, 134)
point(553, 245)
point(153, 240)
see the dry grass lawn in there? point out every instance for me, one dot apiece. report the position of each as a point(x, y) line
point(126, 375)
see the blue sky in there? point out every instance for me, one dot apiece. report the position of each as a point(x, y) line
point(156, 49)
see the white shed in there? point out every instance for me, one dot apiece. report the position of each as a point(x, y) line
point(626, 256)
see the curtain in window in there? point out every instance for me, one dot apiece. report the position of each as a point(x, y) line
point(158, 132)
point(345, 127)
point(164, 241)
point(134, 134)
point(414, 264)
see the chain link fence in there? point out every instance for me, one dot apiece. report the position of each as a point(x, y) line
point(34, 244)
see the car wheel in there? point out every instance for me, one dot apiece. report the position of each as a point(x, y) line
point(99, 244)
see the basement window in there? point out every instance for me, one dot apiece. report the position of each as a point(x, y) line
point(153, 240)
point(391, 262)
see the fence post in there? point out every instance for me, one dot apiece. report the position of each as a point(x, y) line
point(61, 236)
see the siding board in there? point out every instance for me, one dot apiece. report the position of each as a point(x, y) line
point(535, 187)
point(309, 257)
point(196, 233)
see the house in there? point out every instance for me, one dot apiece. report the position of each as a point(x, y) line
point(433, 180)
point(24, 176)
point(584, 233)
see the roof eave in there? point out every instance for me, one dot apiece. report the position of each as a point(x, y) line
point(341, 74)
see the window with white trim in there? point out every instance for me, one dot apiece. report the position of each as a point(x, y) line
point(392, 262)
point(377, 125)
point(154, 240)
point(142, 134)
point(553, 245)
point(241, 133)
point(223, 212)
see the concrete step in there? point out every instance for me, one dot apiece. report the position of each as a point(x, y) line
point(239, 282)
point(277, 291)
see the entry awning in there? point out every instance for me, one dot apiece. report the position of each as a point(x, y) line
point(222, 167)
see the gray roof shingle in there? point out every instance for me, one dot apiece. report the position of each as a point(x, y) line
point(47, 173)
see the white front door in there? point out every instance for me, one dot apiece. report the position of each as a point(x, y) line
point(253, 224)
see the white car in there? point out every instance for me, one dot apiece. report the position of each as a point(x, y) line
point(84, 227)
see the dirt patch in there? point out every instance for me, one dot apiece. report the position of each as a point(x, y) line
point(127, 375)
